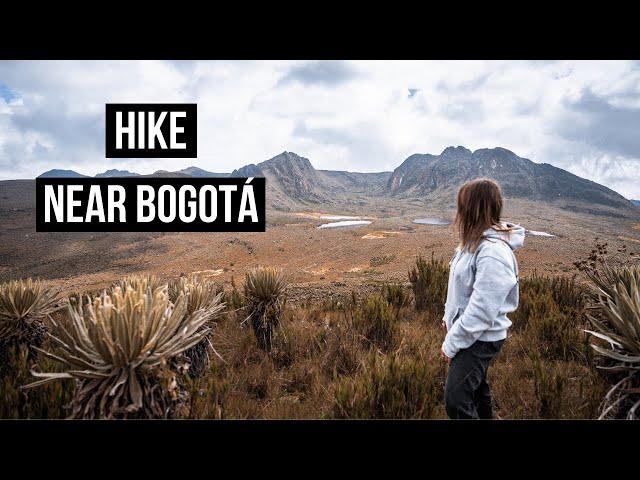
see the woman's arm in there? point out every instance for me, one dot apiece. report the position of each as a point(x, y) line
point(494, 280)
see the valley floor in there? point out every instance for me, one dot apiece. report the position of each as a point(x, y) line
point(316, 261)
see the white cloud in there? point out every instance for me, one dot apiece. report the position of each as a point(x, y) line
point(580, 115)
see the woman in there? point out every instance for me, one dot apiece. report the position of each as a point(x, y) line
point(482, 289)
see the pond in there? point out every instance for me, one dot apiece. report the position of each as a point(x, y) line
point(537, 233)
point(345, 223)
point(339, 217)
point(432, 221)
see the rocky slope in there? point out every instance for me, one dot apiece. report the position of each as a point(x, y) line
point(289, 177)
point(439, 175)
point(292, 183)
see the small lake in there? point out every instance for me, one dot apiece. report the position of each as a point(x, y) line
point(339, 217)
point(345, 223)
point(431, 221)
point(537, 233)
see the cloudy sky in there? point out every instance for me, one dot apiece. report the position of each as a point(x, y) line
point(362, 116)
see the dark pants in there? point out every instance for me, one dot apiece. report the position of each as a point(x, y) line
point(466, 393)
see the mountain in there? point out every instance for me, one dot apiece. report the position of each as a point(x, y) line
point(58, 173)
point(292, 180)
point(167, 174)
point(199, 172)
point(293, 183)
point(117, 173)
point(289, 177)
point(636, 202)
point(438, 175)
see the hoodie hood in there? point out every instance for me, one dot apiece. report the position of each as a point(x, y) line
point(514, 237)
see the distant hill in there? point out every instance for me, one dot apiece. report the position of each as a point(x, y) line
point(58, 173)
point(117, 173)
point(167, 174)
point(199, 172)
point(185, 172)
point(636, 202)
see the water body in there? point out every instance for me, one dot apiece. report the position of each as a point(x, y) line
point(338, 217)
point(345, 223)
point(432, 221)
point(537, 233)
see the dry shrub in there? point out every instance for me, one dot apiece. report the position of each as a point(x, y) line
point(297, 339)
point(21, 300)
point(549, 386)
point(555, 336)
point(616, 339)
point(233, 298)
point(534, 302)
point(389, 387)
point(569, 295)
point(261, 380)
point(301, 380)
point(207, 395)
point(237, 345)
point(264, 292)
point(332, 304)
point(429, 284)
point(377, 322)
point(50, 401)
point(120, 350)
point(201, 295)
point(396, 295)
point(24, 304)
point(245, 381)
point(525, 385)
point(137, 282)
point(550, 316)
point(541, 294)
point(342, 352)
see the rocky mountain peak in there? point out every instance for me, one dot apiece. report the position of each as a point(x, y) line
point(422, 175)
point(458, 151)
point(288, 160)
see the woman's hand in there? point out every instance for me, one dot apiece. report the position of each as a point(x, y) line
point(444, 356)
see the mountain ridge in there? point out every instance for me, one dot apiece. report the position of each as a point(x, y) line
point(426, 174)
point(114, 172)
point(293, 182)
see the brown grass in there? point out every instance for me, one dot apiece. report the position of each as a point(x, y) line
point(371, 356)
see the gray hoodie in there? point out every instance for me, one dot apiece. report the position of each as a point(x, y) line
point(482, 289)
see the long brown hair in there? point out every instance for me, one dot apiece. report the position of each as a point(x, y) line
point(479, 208)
